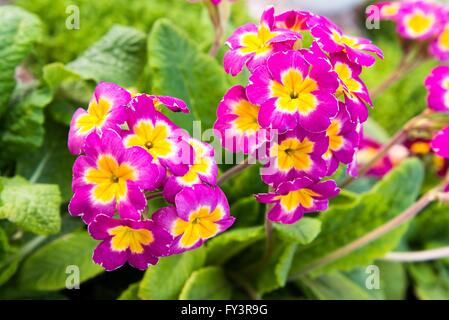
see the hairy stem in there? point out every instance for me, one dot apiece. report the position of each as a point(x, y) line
point(405, 216)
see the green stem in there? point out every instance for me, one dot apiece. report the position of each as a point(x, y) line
point(233, 171)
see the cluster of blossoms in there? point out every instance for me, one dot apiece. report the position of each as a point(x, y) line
point(423, 21)
point(129, 152)
point(438, 99)
point(302, 112)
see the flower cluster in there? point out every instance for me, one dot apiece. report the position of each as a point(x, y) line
point(129, 152)
point(302, 111)
point(420, 21)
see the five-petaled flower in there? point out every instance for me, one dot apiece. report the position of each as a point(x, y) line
point(252, 45)
point(294, 198)
point(140, 243)
point(104, 112)
point(201, 212)
point(110, 177)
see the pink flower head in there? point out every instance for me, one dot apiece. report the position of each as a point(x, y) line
point(201, 213)
point(295, 198)
point(104, 112)
point(153, 131)
point(140, 243)
point(439, 48)
point(252, 45)
point(203, 169)
point(294, 20)
point(290, 91)
point(343, 140)
point(110, 177)
point(418, 20)
point(297, 153)
point(388, 10)
point(237, 122)
point(368, 149)
point(440, 143)
point(437, 84)
point(332, 40)
point(352, 87)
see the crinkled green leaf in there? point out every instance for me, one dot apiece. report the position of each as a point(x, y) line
point(208, 283)
point(119, 57)
point(344, 224)
point(33, 207)
point(302, 232)
point(230, 243)
point(180, 69)
point(8, 265)
point(22, 127)
point(19, 31)
point(51, 266)
point(165, 280)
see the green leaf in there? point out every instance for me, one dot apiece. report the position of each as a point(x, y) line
point(131, 292)
point(275, 273)
point(333, 286)
point(165, 280)
point(7, 269)
point(33, 207)
point(342, 225)
point(246, 212)
point(180, 69)
point(119, 57)
point(47, 268)
point(52, 163)
point(393, 280)
point(22, 127)
point(302, 232)
point(431, 280)
point(207, 283)
point(230, 243)
point(246, 184)
point(19, 31)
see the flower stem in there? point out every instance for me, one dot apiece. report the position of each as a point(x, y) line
point(405, 216)
point(154, 195)
point(233, 171)
point(416, 256)
point(398, 138)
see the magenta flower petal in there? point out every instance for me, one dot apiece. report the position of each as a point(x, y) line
point(440, 143)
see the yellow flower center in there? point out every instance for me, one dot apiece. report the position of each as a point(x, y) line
point(247, 117)
point(124, 237)
point(419, 23)
point(153, 138)
point(389, 10)
point(201, 225)
point(292, 200)
point(443, 40)
point(295, 93)
point(95, 117)
point(420, 147)
point(345, 40)
point(345, 75)
point(201, 165)
point(257, 43)
point(109, 179)
point(292, 153)
point(333, 132)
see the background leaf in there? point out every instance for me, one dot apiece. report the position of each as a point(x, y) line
point(33, 207)
point(166, 279)
point(46, 268)
point(302, 232)
point(19, 31)
point(180, 69)
point(207, 283)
